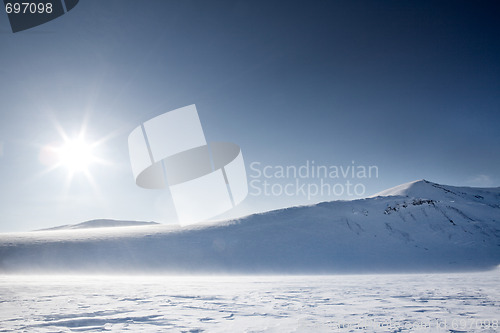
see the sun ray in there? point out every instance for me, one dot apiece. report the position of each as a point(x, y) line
point(75, 154)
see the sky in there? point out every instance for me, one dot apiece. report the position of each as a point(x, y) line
point(411, 88)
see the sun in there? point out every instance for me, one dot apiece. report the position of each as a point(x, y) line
point(76, 155)
point(80, 155)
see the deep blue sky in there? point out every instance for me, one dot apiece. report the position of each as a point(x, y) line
point(412, 87)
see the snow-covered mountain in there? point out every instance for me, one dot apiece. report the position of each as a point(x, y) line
point(418, 226)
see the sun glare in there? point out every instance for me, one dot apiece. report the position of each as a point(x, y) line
point(76, 155)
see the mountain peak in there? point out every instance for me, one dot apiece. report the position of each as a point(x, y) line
point(424, 189)
point(416, 188)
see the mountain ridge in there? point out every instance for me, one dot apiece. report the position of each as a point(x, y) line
point(422, 226)
point(421, 188)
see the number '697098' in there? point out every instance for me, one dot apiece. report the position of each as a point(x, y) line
point(28, 8)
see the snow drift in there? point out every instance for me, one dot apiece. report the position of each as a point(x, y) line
point(419, 226)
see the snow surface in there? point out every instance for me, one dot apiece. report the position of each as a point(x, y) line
point(466, 302)
point(416, 227)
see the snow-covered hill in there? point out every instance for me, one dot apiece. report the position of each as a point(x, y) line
point(419, 226)
point(100, 223)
